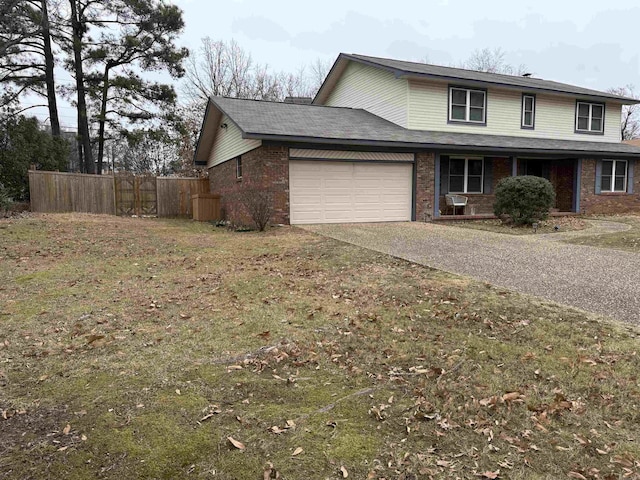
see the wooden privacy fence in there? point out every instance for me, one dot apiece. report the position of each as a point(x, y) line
point(71, 192)
point(120, 194)
point(176, 195)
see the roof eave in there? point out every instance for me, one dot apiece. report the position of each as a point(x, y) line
point(196, 158)
point(437, 146)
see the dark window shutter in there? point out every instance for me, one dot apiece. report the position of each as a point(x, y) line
point(444, 175)
point(598, 177)
point(488, 176)
point(630, 176)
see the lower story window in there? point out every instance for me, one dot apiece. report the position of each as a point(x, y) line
point(614, 176)
point(465, 175)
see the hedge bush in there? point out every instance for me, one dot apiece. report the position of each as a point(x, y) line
point(524, 200)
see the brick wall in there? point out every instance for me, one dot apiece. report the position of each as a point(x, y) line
point(425, 186)
point(265, 168)
point(607, 202)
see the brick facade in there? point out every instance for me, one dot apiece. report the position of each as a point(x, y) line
point(425, 186)
point(265, 168)
point(590, 202)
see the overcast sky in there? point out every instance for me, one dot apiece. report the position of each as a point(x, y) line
point(588, 43)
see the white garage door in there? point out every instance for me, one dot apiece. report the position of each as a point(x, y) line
point(343, 192)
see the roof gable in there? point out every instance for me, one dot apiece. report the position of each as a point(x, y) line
point(405, 69)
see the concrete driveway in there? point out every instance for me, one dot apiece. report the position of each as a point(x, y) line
point(597, 280)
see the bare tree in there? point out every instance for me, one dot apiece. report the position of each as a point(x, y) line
point(492, 61)
point(225, 69)
point(630, 122)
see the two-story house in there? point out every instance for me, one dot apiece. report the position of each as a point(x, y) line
point(386, 140)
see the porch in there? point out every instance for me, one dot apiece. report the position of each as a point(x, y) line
point(476, 177)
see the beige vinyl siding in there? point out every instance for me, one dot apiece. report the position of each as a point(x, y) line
point(229, 143)
point(372, 89)
point(297, 153)
point(554, 114)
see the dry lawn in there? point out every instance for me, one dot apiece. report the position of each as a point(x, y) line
point(628, 240)
point(134, 348)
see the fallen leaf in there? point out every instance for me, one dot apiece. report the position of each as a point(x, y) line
point(492, 475)
point(94, 338)
point(270, 472)
point(345, 474)
point(297, 451)
point(508, 397)
point(236, 443)
point(66, 429)
point(576, 475)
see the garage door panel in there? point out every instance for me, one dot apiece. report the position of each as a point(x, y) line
point(341, 192)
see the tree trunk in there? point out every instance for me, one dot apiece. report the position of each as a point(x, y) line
point(48, 71)
point(83, 124)
point(103, 115)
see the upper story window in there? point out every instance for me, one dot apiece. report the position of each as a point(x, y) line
point(528, 111)
point(589, 117)
point(465, 175)
point(467, 105)
point(614, 176)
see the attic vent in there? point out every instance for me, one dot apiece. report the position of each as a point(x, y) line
point(526, 75)
point(299, 100)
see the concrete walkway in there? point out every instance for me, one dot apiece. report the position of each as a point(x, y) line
point(597, 280)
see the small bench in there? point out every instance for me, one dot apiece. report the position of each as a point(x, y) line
point(455, 201)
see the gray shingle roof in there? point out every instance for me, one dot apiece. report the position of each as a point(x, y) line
point(528, 83)
point(348, 126)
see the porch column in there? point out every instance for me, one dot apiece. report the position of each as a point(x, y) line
point(436, 187)
point(577, 182)
point(514, 166)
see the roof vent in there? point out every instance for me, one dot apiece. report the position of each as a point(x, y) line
point(526, 75)
point(299, 100)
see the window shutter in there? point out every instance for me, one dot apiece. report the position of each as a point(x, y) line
point(630, 176)
point(444, 175)
point(488, 175)
point(598, 177)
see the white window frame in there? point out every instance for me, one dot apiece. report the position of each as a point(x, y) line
point(524, 110)
point(468, 106)
point(238, 168)
point(589, 128)
point(614, 169)
point(466, 174)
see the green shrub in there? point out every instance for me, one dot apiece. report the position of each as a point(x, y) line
point(524, 200)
